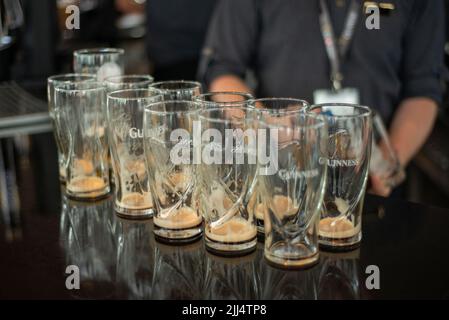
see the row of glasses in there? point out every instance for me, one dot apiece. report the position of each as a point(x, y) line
point(222, 191)
point(316, 196)
point(293, 195)
point(134, 198)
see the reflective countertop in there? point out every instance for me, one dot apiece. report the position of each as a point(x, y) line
point(119, 258)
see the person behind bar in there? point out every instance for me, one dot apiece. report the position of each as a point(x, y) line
point(336, 50)
point(175, 34)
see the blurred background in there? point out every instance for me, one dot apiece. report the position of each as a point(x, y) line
point(162, 38)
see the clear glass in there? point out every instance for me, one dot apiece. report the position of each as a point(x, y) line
point(168, 127)
point(349, 152)
point(223, 99)
point(178, 89)
point(226, 178)
point(125, 109)
point(126, 82)
point(270, 106)
point(101, 62)
point(384, 162)
point(281, 284)
point(60, 129)
point(294, 192)
point(82, 106)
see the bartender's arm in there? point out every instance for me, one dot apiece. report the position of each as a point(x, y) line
point(130, 6)
point(412, 124)
point(230, 55)
point(229, 82)
point(423, 66)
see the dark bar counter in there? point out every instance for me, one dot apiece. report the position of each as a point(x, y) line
point(120, 259)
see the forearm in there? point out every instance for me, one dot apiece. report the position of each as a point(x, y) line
point(411, 126)
point(229, 83)
point(129, 6)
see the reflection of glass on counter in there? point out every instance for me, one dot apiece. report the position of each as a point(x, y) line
point(281, 284)
point(339, 275)
point(231, 278)
point(88, 240)
point(178, 271)
point(135, 259)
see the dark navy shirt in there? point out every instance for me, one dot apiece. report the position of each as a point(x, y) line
point(176, 29)
point(281, 41)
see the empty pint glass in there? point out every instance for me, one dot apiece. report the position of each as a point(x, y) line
point(168, 133)
point(125, 109)
point(133, 81)
point(101, 62)
point(178, 89)
point(60, 128)
point(275, 108)
point(226, 178)
point(82, 106)
point(294, 192)
point(349, 151)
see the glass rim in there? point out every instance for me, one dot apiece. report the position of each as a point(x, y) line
point(248, 96)
point(194, 84)
point(321, 122)
point(116, 94)
point(224, 120)
point(91, 86)
point(367, 112)
point(148, 107)
point(56, 77)
point(283, 99)
point(145, 78)
point(98, 51)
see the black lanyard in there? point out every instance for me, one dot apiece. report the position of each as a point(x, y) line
point(334, 53)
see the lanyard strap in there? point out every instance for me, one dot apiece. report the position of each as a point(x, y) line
point(335, 54)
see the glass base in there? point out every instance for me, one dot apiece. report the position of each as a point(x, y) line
point(230, 248)
point(296, 256)
point(89, 196)
point(340, 244)
point(128, 213)
point(178, 235)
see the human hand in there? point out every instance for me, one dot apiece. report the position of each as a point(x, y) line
point(379, 186)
